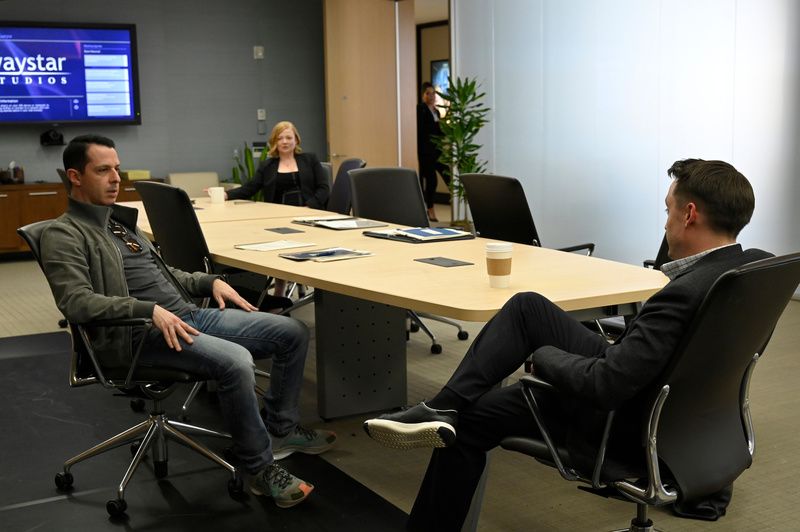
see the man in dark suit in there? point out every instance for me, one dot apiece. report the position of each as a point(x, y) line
point(708, 204)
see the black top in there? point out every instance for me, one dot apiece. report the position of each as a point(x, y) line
point(312, 178)
point(427, 127)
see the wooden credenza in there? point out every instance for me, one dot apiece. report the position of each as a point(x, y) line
point(24, 204)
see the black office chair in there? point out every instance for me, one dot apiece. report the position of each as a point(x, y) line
point(500, 210)
point(394, 195)
point(662, 256)
point(156, 384)
point(182, 245)
point(696, 431)
point(341, 200)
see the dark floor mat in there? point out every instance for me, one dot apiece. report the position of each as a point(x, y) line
point(44, 422)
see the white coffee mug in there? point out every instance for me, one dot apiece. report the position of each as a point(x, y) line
point(217, 194)
point(498, 264)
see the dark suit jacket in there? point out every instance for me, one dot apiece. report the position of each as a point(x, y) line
point(314, 183)
point(427, 127)
point(617, 377)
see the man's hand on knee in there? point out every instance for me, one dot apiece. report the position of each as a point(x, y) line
point(173, 328)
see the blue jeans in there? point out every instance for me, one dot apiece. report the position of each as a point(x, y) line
point(224, 351)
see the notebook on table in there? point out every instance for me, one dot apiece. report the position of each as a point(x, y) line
point(339, 222)
point(418, 235)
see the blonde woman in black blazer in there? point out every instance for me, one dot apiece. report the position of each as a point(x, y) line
point(288, 176)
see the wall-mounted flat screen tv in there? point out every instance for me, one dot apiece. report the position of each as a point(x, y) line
point(56, 73)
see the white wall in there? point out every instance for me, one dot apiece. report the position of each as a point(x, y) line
point(593, 100)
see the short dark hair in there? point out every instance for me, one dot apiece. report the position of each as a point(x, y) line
point(718, 189)
point(425, 86)
point(76, 153)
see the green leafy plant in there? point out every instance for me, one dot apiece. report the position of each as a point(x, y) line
point(465, 116)
point(244, 168)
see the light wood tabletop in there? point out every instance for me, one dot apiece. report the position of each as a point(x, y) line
point(234, 210)
point(393, 276)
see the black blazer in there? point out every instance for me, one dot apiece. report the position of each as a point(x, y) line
point(314, 184)
point(427, 127)
point(615, 377)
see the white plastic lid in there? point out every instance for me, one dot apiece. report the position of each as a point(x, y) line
point(499, 247)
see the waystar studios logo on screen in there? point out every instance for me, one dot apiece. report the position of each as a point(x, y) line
point(38, 70)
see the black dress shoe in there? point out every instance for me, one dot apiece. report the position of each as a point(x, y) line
point(418, 426)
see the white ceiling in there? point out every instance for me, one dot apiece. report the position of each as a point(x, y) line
point(430, 11)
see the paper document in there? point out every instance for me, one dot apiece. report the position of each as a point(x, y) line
point(326, 255)
point(273, 245)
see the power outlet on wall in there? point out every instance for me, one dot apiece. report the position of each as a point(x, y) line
point(258, 52)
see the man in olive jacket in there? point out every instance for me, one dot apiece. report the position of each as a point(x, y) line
point(100, 267)
point(708, 204)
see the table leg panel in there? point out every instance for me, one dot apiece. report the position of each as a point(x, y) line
point(361, 355)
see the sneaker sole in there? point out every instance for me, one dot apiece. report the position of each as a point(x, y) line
point(286, 451)
point(281, 503)
point(410, 435)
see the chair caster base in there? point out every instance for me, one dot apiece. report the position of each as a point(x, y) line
point(436, 349)
point(64, 481)
point(116, 507)
point(236, 488)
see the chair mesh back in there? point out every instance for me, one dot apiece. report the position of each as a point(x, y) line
point(341, 200)
point(390, 195)
point(499, 208)
point(174, 225)
point(32, 235)
point(701, 436)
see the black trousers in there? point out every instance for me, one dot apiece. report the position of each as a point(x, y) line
point(527, 322)
point(428, 166)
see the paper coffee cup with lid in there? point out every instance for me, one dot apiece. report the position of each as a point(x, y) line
point(498, 263)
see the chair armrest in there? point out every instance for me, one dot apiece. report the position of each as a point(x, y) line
point(589, 247)
point(531, 382)
point(117, 322)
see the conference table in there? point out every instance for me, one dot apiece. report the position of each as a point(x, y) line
point(360, 304)
point(208, 212)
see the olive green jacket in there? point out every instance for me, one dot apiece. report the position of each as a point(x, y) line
point(84, 268)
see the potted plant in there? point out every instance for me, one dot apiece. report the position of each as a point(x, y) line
point(244, 168)
point(466, 115)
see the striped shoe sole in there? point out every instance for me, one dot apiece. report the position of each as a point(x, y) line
point(410, 435)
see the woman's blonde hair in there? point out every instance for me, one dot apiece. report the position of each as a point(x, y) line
point(277, 130)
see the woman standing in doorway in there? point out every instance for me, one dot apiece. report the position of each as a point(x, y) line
point(427, 152)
